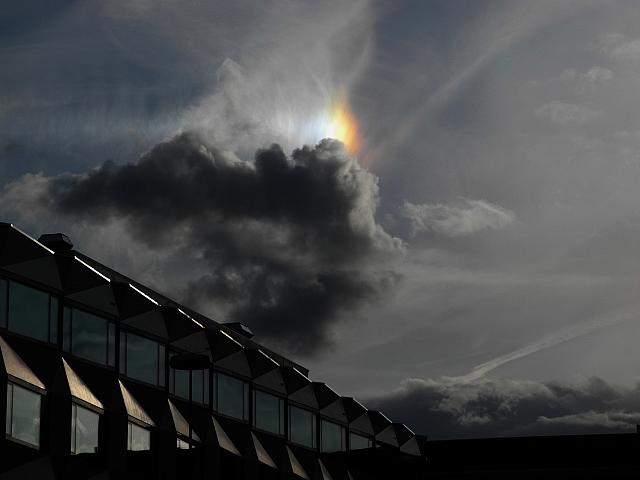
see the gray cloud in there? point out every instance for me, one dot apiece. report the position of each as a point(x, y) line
point(455, 220)
point(566, 114)
point(290, 244)
point(445, 409)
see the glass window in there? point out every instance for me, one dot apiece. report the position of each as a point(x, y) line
point(302, 427)
point(268, 412)
point(232, 397)
point(358, 442)
point(138, 438)
point(183, 444)
point(331, 437)
point(143, 358)
point(179, 384)
point(29, 312)
point(23, 415)
point(84, 430)
point(53, 319)
point(4, 286)
point(87, 336)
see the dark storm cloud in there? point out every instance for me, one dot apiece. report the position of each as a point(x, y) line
point(444, 409)
point(290, 243)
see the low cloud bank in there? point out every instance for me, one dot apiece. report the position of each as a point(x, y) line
point(446, 409)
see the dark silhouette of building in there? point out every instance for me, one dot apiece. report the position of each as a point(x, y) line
point(603, 456)
point(105, 378)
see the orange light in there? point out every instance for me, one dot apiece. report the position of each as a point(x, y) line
point(344, 126)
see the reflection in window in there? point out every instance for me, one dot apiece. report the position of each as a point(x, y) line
point(84, 430)
point(268, 413)
point(231, 397)
point(142, 358)
point(302, 427)
point(32, 313)
point(138, 438)
point(4, 290)
point(182, 444)
point(331, 437)
point(358, 442)
point(179, 384)
point(23, 415)
point(88, 336)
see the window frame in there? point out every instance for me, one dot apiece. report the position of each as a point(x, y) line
point(74, 415)
point(161, 358)
point(360, 435)
point(206, 381)
point(53, 321)
point(246, 397)
point(9, 417)
point(131, 424)
point(343, 435)
point(111, 347)
point(282, 420)
point(314, 426)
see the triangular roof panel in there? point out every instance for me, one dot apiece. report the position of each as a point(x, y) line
point(79, 389)
point(133, 408)
point(180, 423)
point(17, 247)
point(16, 368)
point(224, 441)
point(261, 454)
point(324, 472)
point(295, 465)
point(294, 379)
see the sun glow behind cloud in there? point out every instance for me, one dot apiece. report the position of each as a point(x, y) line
point(331, 119)
point(343, 125)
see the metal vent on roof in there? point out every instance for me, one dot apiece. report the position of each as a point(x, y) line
point(58, 242)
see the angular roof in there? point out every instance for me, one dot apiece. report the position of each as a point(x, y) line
point(133, 408)
point(17, 369)
point(79, 389)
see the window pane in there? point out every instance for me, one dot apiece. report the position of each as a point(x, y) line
point(74, 416)
point(231, 396)
point(3, 303)
point(89, 336)
point(267, 412)
point(28, 311)
point(66, 329)
point(53, 319)
point(181, 383)
point(181, 444)
point(139, 438)
point(161, 371)
point(123, 352)
point(142, 358)
point(357, 442)
point(111, 340)
point(86, 430)
point(25, 421)
point(302, 427)
point(197, 386)
point(205, 387)
point(332, 437)
point(9, 408)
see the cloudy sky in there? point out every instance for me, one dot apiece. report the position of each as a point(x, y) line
point(467, 257)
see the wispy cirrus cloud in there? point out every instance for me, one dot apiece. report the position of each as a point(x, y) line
point(461, 218)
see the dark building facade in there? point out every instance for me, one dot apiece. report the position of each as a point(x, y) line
point(105, 378)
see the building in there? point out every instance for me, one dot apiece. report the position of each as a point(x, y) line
point(105, 378)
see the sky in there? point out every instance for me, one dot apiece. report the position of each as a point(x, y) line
point(464, 256)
